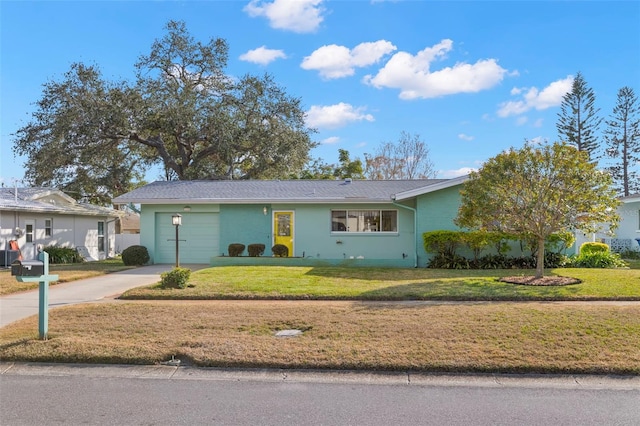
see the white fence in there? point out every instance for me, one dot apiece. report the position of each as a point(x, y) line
point(126, 240)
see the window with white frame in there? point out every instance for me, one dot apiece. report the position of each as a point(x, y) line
point(48, 227)
point(364, 220)
point(100, 236)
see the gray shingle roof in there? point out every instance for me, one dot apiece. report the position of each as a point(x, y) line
point(26, 199)
point(250, 191)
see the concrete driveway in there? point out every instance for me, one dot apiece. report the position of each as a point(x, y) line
point(22, 305)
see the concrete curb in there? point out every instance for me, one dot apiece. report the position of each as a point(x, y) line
point(569, 381)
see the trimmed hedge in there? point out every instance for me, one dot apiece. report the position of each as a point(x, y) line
point(280, 250)
point(588, 248)
point(256, 250)
point(235, 249)
point(135, 256)
point(58, 255)
point(444, 246)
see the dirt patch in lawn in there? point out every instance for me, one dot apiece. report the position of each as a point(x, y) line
point(542, 281)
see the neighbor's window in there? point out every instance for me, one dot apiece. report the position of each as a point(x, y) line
point(364, 221)
point(28, 232)
point(48, 227)
point(100, 236)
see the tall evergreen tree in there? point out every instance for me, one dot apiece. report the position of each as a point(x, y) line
point(578, 119)
point(622, 136)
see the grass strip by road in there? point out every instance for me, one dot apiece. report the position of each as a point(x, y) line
point(66, 273)
point(530, 337)
point(333, 283)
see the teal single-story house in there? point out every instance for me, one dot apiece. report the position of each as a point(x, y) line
point(331, 222)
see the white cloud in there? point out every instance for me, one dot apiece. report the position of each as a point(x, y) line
point(262, 55)
point(300, 16)
point(415, 79)
point(465, 137)
point(532, 98)
point(334, 116)
point(538, 140)
point(450, 174)
point(521, 121)
point(333, 61)
point(332, 140)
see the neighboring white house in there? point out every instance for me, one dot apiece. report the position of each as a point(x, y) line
point(627, 235)
point(43, 216)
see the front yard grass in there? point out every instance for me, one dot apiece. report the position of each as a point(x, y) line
point(532, 337)
point(441, 321)
point(329, 283)
point(66, 273)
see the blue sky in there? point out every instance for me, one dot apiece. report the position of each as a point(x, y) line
point(471, 78)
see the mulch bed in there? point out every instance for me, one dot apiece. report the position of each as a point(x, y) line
point(544, 281)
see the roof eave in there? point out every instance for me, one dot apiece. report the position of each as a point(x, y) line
point(431, 188)
point(316, 200)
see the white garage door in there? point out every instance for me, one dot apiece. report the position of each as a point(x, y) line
point(200, 232)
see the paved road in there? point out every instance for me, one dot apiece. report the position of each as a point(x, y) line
point(22, 305)
point(163, 395)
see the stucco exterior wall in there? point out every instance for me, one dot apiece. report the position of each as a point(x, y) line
point(436, 211)
point(67, 231)
point(313, 239)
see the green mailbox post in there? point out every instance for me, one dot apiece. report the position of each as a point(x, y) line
point(32, 271)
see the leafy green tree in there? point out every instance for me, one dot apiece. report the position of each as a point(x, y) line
point(317, 169)
point(578, 120)
point(64, 143)
point(183, 113)
point(536, 192)
point(622, 136)
point(347, 168)
point(408, 158)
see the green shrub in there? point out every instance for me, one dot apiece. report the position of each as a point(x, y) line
point(442, 242)
point(630, 254)
point(255, 250)
point(559, 241)
point(280, 250)
point(493, 261)
point(443, 261)
point(235, 249)
point(135, 256)
point(176, 278)
point(587, 248)
point(555, 260)
point(476, 241)
point(598, 260)
point(58, 255)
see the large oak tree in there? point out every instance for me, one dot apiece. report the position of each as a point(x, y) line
point(95, 138)
point(535, 192)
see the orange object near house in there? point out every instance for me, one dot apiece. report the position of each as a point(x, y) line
point(13, 245)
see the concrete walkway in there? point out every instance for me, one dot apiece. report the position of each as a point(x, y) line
point(22, 305)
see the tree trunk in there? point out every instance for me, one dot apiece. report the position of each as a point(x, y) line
point(540, 259)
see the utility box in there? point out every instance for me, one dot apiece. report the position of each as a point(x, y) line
point(27, 268)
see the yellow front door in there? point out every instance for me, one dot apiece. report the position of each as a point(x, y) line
point(283, 230)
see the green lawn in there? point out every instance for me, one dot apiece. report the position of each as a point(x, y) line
point(333, 283)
